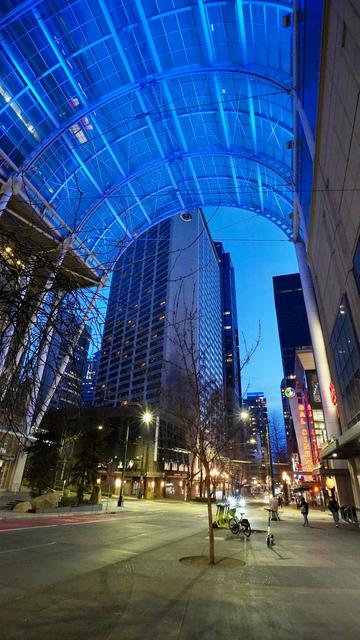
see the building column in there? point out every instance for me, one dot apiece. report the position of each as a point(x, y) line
point(318, 344)
point(68, 355)
point(11, 323)
point(7, 189)
point(17, 471)
point(48, 333)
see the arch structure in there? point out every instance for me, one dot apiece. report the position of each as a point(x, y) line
point(123, 114)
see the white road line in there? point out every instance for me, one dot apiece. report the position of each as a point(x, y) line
point(72, 524)
point(33, 546)
point(41, 526)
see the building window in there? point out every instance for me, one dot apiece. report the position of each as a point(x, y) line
point(346, 355)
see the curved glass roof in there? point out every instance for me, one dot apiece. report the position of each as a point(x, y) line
point(124, 112)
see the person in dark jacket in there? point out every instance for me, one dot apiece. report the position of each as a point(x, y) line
point(304, 509)
point(334, 508)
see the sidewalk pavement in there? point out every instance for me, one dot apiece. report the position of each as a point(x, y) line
point(156, 581)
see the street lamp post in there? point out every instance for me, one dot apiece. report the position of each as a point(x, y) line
point(271, 468)
point(121, 496)
point(147, 418)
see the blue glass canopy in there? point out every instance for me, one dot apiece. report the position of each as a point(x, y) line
point(124, 112)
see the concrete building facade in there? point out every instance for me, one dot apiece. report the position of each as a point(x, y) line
point(333, 245)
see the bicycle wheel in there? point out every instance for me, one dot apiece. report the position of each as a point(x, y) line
point(233, 526)
point(247, 530)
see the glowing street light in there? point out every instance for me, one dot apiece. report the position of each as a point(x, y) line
point(244, 414)
point(147, 417)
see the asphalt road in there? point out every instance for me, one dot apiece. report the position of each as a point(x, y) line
point(119, 576)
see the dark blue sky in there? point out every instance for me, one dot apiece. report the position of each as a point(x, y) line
point(256, 262)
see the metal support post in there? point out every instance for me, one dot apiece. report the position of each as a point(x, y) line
point(156, 442)
point(8, 189)
point(67, 356)
point(41, 362)
point(10, 328)
point(318, 343)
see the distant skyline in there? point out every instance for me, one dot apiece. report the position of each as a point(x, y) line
point(259, 250)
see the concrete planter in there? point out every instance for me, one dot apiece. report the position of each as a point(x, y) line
point(79, 509)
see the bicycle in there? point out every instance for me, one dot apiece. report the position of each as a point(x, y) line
point(240, 525)
point(270, 541)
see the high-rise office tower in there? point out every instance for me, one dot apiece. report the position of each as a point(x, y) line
point(256, 405)
point(292, 320)
point(294, 333)
point(231, 356)
point(68, 392)
point(169, 274)
point(89, 381)
point(172, 269)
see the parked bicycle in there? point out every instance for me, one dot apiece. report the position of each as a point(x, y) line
point(240, 525)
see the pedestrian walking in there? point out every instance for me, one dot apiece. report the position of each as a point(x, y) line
point(280, 501)
point(334, 508)
point(304, 509)
point(274, 506)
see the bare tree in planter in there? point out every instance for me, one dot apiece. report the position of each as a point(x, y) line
point(196, 399)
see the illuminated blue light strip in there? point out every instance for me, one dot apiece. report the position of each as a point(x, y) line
point(198, 152)
point(80, 94)
point(224, 124)
point(137, 92)
point(54, 121)
point(280, 195)
point(270, 215)
point(18, 12)
point(175, 117)
point(161, 77)
point(242, 33)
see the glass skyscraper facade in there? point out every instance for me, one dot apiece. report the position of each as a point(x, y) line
point(292, 320)
point(172, 267)
point(294, 333)
point(131, 358)
point(231, 355)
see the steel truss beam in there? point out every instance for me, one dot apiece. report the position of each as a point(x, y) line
point(156, 78)
point(266, 213)
point(243, 154)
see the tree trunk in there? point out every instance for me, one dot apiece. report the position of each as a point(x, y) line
point(210, 519)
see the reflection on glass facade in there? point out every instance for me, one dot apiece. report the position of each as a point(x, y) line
point(291, 317)
point(166, 271)
point(346, 354)
point(131, 358)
